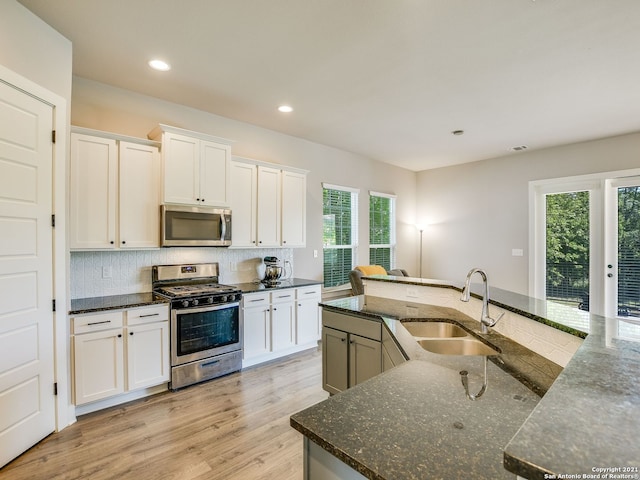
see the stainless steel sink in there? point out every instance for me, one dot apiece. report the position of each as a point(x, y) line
point(434, 329)
point(457, 346)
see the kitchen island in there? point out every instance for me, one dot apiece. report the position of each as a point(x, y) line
point(414, 421)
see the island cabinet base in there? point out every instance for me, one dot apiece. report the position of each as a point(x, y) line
point(321, 465)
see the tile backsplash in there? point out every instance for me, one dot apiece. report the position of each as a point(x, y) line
point(98, 274)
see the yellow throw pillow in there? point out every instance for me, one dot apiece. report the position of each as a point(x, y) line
point(372, 270)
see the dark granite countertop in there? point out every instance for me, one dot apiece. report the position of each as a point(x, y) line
point(588, 419)
point(252, 287)
point(415, 421)
point(113, 302)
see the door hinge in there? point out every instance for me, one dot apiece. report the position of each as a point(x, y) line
point(53, 220)
point(53, 136)
point(55, 388)
point(53, 304)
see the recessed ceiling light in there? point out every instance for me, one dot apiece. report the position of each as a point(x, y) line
point(458, 132)
point(285, 109)
point(160, 65)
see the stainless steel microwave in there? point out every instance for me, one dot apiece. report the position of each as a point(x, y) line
point(184, 226)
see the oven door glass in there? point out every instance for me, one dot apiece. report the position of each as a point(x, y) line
point(207, 328)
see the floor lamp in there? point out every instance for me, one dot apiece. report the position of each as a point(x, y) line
point(421, 228)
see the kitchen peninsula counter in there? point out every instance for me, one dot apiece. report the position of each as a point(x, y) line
point(414, 421)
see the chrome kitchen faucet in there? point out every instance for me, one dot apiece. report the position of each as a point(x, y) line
point(485, 320)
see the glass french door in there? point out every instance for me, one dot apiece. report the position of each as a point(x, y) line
point(622, 253)
point(598, 271)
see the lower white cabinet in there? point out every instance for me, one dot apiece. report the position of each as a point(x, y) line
point(308, 326)
point(119, 351)
point(279, 322)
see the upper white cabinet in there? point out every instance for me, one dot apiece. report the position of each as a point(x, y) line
point(114, 192)
point(294, 209)
point(196, 167)
point(268, 203)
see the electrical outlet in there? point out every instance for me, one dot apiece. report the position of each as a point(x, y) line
point(233, 266)
point(106, 272)
point(517, 252)
point(315, 254)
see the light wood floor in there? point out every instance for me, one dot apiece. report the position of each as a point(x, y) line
point(235, 427)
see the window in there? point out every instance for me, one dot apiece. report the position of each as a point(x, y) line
point(382, 232)
point(339, 233)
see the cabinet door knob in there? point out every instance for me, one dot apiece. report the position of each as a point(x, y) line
point(203, 199)
point(119, 335)
point(343, 339)
point(112, 242)
point(123, 242)
point(197, 199)
point(130, 333)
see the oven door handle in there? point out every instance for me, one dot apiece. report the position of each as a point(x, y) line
point(206, 308)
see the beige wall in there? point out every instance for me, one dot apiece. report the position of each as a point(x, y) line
point(33, 49)
point(479, 212)
point(102, 107)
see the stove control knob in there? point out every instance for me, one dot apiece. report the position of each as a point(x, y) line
point(185, 303)
point(209, 300)
point(195, 302)
point(224, 298)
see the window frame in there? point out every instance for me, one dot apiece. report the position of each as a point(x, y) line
point(354, 229)
point(392, 227)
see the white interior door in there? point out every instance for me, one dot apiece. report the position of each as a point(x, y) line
point(27, 402)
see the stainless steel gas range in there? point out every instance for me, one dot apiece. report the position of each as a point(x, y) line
point(206, 325)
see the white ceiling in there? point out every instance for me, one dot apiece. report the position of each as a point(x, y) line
point(388, 79)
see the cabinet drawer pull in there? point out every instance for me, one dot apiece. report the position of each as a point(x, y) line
point(310, 293)
point(209, 364)
point(99, 323)
point(149, 315)
point(257, 300)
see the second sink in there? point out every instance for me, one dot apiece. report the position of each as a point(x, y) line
point(434, 329)
point(457, 346)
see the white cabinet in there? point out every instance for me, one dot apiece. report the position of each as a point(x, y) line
point(147, 339)
point(279, 322)
point(268, 204)
point(119, 351)
point(256, 312)
point(244, 204)
point(195, 167)
point(308, 325)
point(114, 192)
point(294, 209)
point(98, 347)
point(283, 320)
